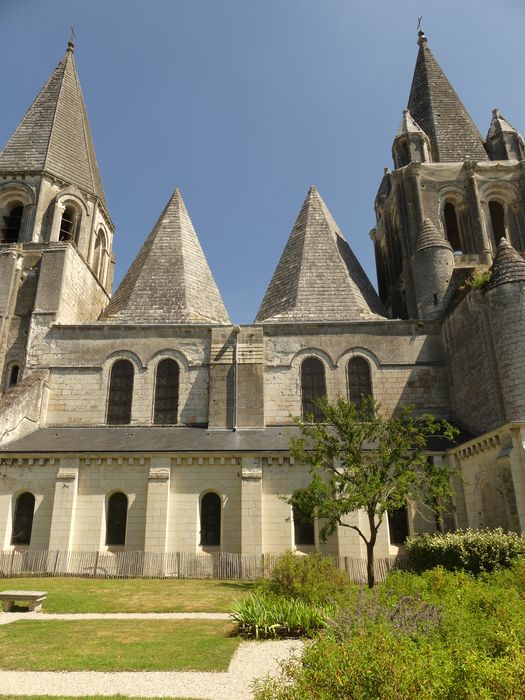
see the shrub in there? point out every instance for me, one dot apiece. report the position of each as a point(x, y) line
point(265, 615)
point(480, 278)
point(439, 635)
point(469, 550)
point(312, 578)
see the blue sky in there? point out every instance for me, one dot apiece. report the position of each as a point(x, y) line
point(244, 105)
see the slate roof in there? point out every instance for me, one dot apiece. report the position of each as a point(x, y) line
point(169, 281)
point(54, 135)
point(508, 265)
point(125, 439)
point(435, 106)
point(429, 237)
point(318, 278)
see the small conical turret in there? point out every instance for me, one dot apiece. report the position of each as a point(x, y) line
point(411, 144)
point(433, 266)
point(504, 142)
point(505, 298)
point(436, 108)
point(508, 265)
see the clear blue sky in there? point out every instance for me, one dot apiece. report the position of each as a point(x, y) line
point(244, 104)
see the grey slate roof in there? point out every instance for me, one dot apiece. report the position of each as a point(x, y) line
point(169, 281)
point(127, 439)
point(54, 135)
point(437, 109)
point(508, 265)
point(318, 278)
point(429, 237)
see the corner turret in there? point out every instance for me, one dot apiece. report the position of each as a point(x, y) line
point(433, 266)
point(504, 142)
point(411, 144)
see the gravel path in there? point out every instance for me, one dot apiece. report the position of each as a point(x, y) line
point(251, 660)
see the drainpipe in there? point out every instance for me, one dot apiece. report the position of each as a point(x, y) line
point(236, 330)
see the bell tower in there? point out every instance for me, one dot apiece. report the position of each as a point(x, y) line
point(447, 179)
point(55, 230)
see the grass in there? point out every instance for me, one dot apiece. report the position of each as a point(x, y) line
point(82, 595)
point(117, 645)
point(80, 697)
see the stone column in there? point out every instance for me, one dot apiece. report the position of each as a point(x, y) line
point(57, 219)
point(64, 509)
point(251, 505)
point(157, 508)
point(484, 242)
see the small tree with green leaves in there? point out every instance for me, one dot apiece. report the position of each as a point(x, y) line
point(361, 460)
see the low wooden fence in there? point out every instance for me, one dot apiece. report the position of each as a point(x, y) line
point(136, 564)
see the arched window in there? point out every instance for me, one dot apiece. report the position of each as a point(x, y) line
point(497, 219)
point(166, 393)
point(120, 393)
point(398, 525)
point(359, 381)
point(117, 516)
point(98, 255)
point(450, 220)
point(13, 375)
point(69, 224)
point(303, 527)
point(12, 223)
point(210, 520)
point(23, 519)
point(313, 386)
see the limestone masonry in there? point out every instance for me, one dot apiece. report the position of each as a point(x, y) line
point(145, 420)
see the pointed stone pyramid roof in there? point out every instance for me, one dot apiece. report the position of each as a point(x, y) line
point(169, 281)
point(499, 125)
point(437, 109)
point(318, 278)
point(508, 265)
point(54, 135)
point(429, 237)
point(408, 125)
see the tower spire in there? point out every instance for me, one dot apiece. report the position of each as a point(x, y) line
point(437, 109)
point(54, 136)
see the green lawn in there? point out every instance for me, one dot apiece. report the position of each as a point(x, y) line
point(80, 595)
point(117, 645)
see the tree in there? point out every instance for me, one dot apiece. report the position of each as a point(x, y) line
point(361, 460)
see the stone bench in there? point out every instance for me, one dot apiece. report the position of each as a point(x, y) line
point(33, 599)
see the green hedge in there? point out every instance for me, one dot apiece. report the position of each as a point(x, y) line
point(475, 551)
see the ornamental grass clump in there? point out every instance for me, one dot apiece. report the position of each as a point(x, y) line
point(475, 551)
point(266, 616)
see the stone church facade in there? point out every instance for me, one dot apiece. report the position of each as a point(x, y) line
point(145, 420)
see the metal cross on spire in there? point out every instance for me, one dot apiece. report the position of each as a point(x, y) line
point(419, 22)
point(73, 35)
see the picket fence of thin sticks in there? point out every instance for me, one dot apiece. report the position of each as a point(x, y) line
point(138, 564)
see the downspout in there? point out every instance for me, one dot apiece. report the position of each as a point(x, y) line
point(236, 330)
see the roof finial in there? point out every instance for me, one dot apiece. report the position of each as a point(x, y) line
point(70, 43)
point(420, 33)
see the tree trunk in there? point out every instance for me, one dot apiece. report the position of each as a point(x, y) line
point(370, 569)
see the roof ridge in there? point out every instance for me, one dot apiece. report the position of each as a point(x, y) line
point(64, 61)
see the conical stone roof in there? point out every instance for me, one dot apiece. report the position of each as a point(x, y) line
point(508, 265)
point(499, 125)
point(429, 237)
point(318, 278)
point(408, 125)
point(169, 281)
point(54, 135)
point(436, 108)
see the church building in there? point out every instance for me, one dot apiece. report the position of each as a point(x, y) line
point(144, 420)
